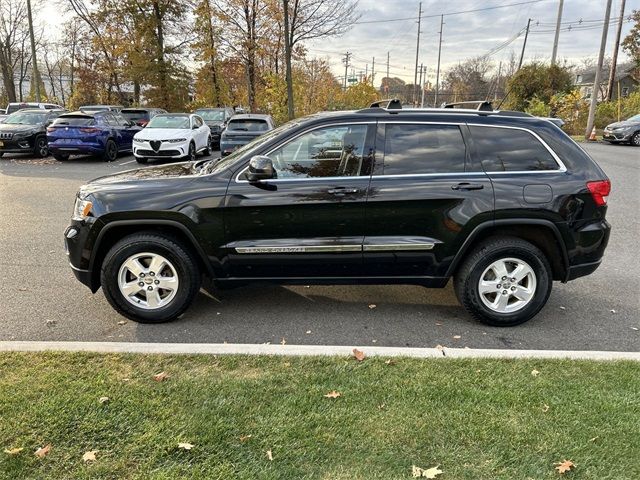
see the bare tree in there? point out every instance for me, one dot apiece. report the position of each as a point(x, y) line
point(312, 19)
point(13, 34)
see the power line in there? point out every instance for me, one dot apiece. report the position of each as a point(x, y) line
point(450, 13)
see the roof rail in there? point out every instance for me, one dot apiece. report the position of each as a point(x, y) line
point(390, 104)
point(446, 111)
point(482, 105)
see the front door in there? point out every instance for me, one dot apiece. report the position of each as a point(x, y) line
point(310, 220)
point(425, 198)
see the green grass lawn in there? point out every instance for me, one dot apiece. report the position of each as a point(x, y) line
point(476, 419)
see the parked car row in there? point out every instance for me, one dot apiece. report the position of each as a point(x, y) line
point(108, 130)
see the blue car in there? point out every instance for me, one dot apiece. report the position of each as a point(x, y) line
point(104, 134)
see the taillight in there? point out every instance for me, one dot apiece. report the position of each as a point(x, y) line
point(51, 129)
point(89, 130)
point(599, 191)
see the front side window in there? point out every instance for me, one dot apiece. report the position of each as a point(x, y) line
point(510, 150)
point(412, 149)
point(197, 121)
point(336, 151)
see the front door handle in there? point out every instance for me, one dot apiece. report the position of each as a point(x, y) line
point(342, 190)
point(467, 186)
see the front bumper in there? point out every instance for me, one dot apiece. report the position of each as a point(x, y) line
point(21, 145)
point(76, 237)
point(617, 136)
point(166, 150)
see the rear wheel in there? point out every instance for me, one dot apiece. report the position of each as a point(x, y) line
point(110, 151)
point(504, 282)
point(40, 147)
point(61, 157)
point(635, 139)
point(150, 278)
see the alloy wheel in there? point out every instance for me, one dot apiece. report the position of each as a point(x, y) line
point(507, 285)
point(148, 280)
point(42, 147)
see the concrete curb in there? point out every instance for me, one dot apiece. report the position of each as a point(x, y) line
point(305, 350)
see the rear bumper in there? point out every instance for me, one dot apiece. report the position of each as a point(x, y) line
point(76, 148)
point(24, 145)
point(591, 242)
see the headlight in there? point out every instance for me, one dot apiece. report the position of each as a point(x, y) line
point(22, 134)
point(620, 129)
point(177, 140)
point(81, 209)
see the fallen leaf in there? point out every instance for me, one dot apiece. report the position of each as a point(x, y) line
point(564, 466)
point(244, 438)
point(43, 451)
point(333, 394)
point(358, 355)
point(287, 364)
point(563, 308)
point(438, 324)
point(13, 451)
point(439, 347)
point(425, 472)
point(185, 446)
point(122, 322)
point(372, 306)
point(613, 311)
point(535, 372)
point(89, 456)
point(22, 289)
point(593, 439)
point(161, 377)
point(308, 332)
point(103, 399)
point(270, 455)
point(381, 406)
point(634, 329)
point(283, 341)
point(457, 337)
point(390, 362)
point(51, 322)
point(545, 409)
point(374, 340)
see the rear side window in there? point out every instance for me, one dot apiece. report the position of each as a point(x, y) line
point(510, 150)
point(411, 149)
point(248, 125)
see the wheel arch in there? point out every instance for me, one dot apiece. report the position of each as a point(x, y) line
point(544, 234)
point(113, 231)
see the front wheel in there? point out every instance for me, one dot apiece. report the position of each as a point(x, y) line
point(110, 153)
point(191, 156)
point(150, 278)
point(504, 282)
point(41, 148)
point(209, 149)
point(635, 139)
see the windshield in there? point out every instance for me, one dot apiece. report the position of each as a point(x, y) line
point(136, 115)
point(169, 121)
point(211, 115)
point(248, 125)
point(252, 145)
point(635, 118)
point(23, 118)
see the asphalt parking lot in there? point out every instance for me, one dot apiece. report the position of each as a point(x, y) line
point(41, 300)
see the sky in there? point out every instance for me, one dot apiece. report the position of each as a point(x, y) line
point(468, 34)
point(464, 35)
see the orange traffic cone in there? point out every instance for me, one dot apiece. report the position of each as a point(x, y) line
point(592, 137)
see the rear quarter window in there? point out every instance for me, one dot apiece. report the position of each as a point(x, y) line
point(510, 150)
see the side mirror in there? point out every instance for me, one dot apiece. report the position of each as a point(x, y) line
point(260, 168)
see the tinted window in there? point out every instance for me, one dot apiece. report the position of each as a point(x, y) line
point(510, 150)
point(75, 120)
point(248, 125)
point(325, 152)
point(197, 121)
point(136, 115)
point(211, 115)
point(416, 149)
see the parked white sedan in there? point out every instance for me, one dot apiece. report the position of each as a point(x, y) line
point(175, 136)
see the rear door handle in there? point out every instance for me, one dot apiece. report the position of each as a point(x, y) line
point(342, 190)
point(467, 186)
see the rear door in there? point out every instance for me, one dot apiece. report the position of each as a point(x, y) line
point(424, 199)
point(309, 221)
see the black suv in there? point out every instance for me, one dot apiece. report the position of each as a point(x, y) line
point(25, 131)
point(503, 202)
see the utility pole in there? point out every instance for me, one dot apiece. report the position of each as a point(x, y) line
point(435, 98)
point(345, 60)
point(34, 60)
point(596, 80)
point(495, 94)
point(419, 86)
point(614, 59)
point(524, 45)
point(373, 71)
point(555, 40)
point(422, 86)
point(415, 75)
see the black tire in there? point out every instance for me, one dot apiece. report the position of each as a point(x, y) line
point(110, 153)
point(61, 157)
point(208, 150)
point(635, 139)
point(142, 160)
point(191, 156)
point(41, 147)
point(467, 279)
point(1, 154)
point(181, 258)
